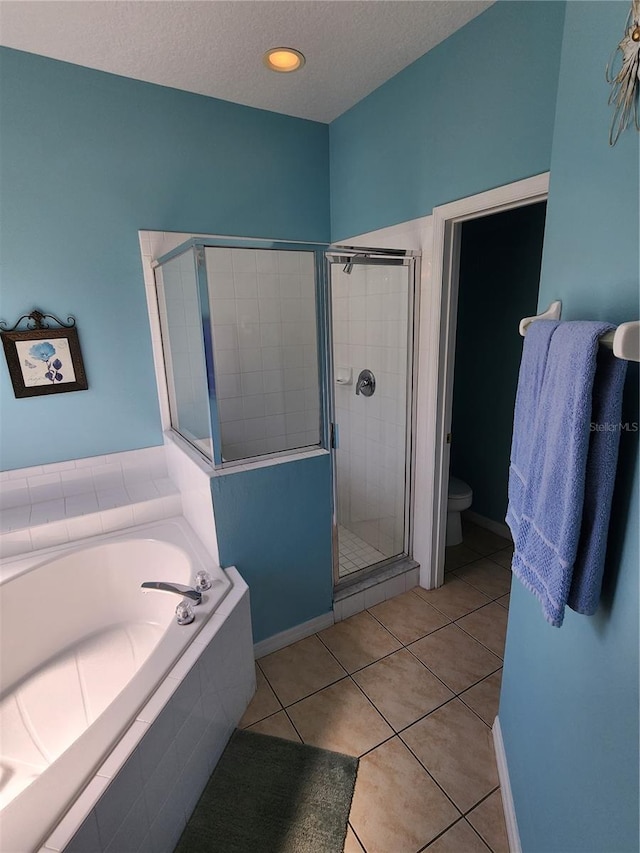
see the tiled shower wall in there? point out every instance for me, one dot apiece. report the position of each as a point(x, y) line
point(265, 349)
point(370, 330)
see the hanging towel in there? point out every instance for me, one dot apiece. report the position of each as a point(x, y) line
point(549, 464)
point(532, 368)
point(602, 458)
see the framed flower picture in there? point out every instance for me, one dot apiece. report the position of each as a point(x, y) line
point(44, 361)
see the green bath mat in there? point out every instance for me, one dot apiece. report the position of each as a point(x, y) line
point(269, 795)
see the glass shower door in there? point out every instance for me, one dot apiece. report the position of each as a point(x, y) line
point(372, 318)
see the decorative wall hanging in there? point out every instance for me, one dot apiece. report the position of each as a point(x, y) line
point(623, 73)
point(41, 359)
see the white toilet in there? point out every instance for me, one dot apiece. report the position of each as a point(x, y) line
point(460, 496)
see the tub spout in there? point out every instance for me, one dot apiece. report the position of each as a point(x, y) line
point(193, 595)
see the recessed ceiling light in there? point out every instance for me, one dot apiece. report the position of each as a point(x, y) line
point(283, 59)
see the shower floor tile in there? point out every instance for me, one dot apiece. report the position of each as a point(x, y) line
point(355, 553)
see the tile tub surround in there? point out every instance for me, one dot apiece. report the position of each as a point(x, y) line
point(382, 686)
point(192, 476)
point(53, 504)
point(143, 795)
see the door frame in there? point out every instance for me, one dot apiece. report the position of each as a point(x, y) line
point(447, 225)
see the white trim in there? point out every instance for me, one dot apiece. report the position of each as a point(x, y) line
point(505, 789)
point(488, 523)
point(441, 333)
point(291, 635)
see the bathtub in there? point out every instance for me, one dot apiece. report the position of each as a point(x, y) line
point(99, 684)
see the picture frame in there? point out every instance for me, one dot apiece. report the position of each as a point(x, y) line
point(44, 361)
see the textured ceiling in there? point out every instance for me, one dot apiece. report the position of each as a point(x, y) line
point(215, 47)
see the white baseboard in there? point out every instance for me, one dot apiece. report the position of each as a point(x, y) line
point(488, 523)
point(291, 635)
point(505, 788)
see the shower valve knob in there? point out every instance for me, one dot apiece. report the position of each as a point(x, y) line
point(203, 581)
point(184, 613)
point(366, 383)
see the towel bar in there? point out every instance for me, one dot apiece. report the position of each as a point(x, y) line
point(625, 340)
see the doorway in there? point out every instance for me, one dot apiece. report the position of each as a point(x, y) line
point(498, 283)
point(448, 221)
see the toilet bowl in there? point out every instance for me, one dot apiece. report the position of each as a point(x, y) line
point(459, 498)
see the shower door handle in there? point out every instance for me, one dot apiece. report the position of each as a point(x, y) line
point(366, 384)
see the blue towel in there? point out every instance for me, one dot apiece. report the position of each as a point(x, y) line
point(551, 444)
point(532, 370)
point(602, 458)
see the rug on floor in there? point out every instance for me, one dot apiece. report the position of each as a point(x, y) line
point(269, 795)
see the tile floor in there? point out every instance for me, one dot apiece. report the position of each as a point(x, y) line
point(354, 553)
point(410, 686)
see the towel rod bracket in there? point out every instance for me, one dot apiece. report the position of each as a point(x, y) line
point(552, 313)
point(625, 340)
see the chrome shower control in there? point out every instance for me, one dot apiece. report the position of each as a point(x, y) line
point(366, 384)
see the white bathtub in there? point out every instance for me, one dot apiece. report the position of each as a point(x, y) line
point(84, 652)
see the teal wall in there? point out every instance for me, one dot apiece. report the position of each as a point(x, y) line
point(274, 525)
point(475, 112)
point(569, 704)
point(87, 159)
point(500, 259)
point(479, 111)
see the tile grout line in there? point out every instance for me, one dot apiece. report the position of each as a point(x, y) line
point(399, 733)
point(466, 817)
point(293, 725)
point(432, 777)
point(313, 693)
point(484, 645)
point(448, 796)
point(452, 619)
point(444, 831)
point(455, 695)
point(411, 652)
point(420, 598)
point(490, 596)
point(394, 732)
point(473, 829)
point(282, 707)
point(475, 550)
point(435, 675)
point(407, 747)
point(360, 842)
point(440, 834)
point(460, 695)
point(403, 646)
point(480, 802)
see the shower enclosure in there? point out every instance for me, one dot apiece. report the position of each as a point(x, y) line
point(274, 348)
point(241, 325)
point(372, 296)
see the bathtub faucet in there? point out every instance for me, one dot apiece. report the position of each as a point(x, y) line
point(177, 588)
point(184, 610)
